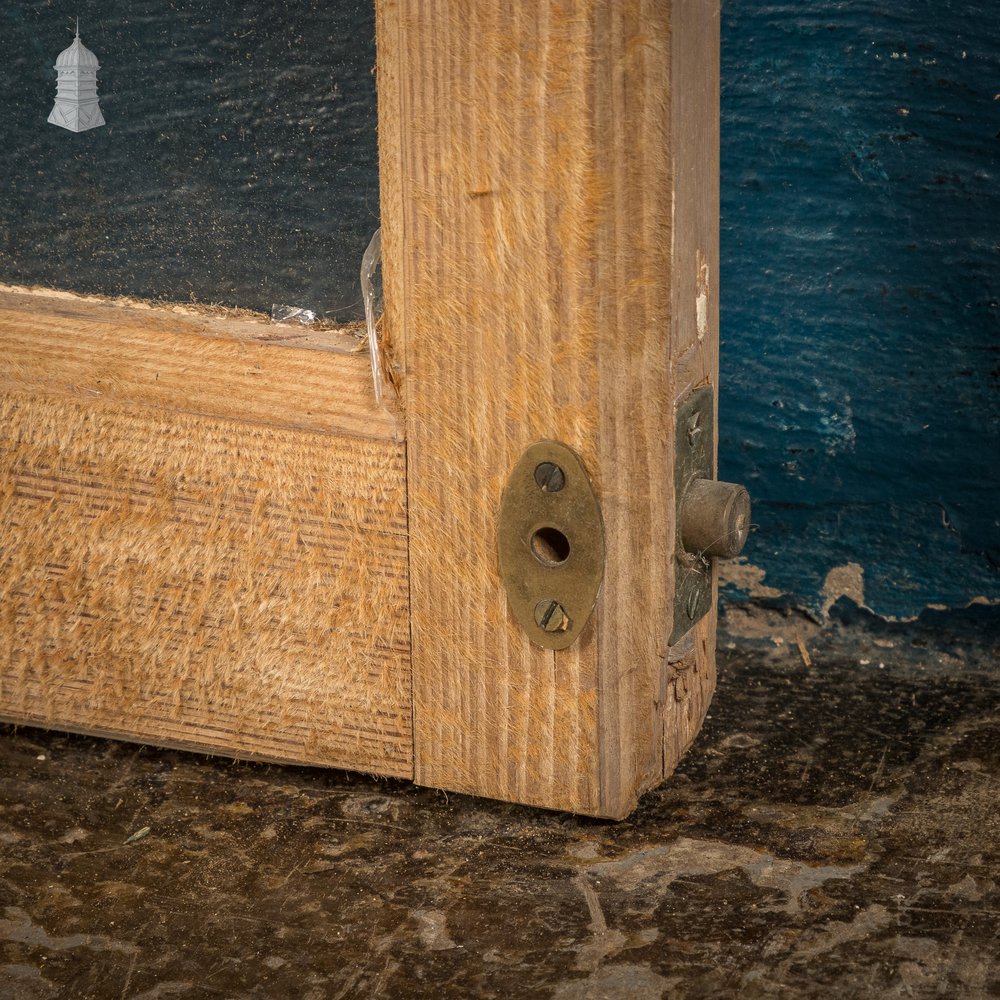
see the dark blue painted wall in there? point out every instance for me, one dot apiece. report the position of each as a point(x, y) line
point(860, 400)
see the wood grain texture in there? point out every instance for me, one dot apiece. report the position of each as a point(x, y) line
point(202, 541)
point(689, 675)
point(533, 257)
point(195, 362)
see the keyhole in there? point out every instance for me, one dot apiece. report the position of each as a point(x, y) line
point(550, 546)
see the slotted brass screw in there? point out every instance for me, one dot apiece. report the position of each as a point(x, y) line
point(549, 477)
point(550, 616)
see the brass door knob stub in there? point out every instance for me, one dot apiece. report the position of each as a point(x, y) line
point(712, 518)
point(715, 518)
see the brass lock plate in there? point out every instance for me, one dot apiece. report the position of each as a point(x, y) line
point(551, 544)
point(694, 445)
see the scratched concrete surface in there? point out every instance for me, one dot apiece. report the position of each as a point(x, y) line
point(833, 833)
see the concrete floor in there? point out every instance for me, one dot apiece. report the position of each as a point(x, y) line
point(833, 833)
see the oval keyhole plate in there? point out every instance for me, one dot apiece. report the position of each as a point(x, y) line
point(551, 544)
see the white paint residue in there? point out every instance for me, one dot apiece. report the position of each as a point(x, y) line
point(702, 314)
point(701, 303)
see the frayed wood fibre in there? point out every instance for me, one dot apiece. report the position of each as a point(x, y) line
point(531, 249)
point(194, 581)
point(196, 363)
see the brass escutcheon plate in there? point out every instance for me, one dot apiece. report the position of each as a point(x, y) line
point(551, 544)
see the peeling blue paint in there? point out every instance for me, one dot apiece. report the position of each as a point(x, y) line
point(860, 394)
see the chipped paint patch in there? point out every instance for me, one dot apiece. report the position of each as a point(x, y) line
point(748, 619)
point(746, 577)
point(432, 926)
point(617, 982)
point(654, 869)
point(17, 927)
point(843, 581)
point(605, 941)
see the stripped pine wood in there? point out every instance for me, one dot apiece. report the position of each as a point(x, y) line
point(541, 290)
point(202, 538)
point(688, 679)
point(198, 362)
